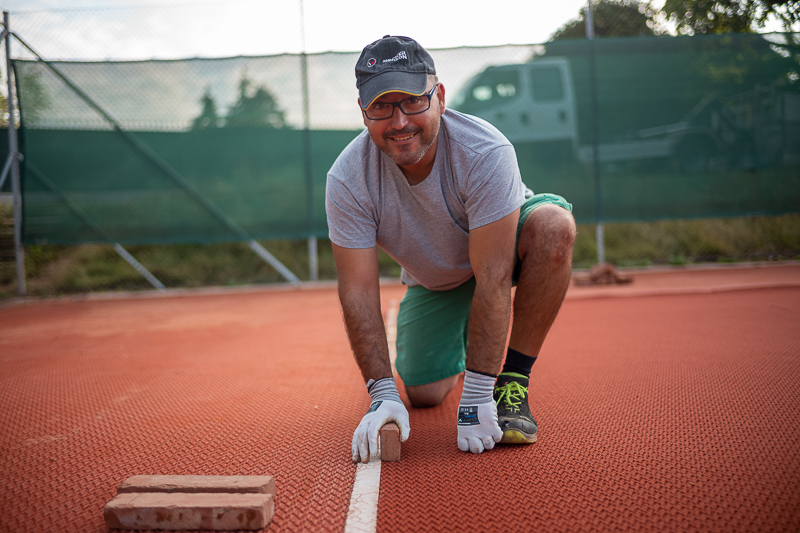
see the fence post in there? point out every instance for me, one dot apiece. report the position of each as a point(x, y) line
point(313, 267)
point(13, 155)
point(598, 202)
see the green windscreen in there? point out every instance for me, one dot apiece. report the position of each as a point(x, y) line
point(205, 150)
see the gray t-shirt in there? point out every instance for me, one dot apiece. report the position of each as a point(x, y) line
point(475, 181)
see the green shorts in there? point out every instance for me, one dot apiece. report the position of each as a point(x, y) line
point(432, 326)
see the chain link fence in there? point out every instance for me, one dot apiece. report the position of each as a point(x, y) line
point(686, 148)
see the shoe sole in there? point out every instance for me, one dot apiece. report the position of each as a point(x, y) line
point(515, 436)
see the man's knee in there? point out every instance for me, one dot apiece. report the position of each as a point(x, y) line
point(430, 394)
point(549, 230)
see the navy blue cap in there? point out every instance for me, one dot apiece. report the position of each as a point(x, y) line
point(392, 64)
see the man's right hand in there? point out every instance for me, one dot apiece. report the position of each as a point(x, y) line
point(365, 439)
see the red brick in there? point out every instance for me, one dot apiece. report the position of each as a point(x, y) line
point(390, 442)
point(200, 484)
point(181, 511)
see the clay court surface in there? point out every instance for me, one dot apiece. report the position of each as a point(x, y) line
point(672, 404)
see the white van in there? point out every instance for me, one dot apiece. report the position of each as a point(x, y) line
point(535, 103)
point(528, 102)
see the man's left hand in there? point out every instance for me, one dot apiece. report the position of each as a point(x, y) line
point(477, 415)
point(477, 427)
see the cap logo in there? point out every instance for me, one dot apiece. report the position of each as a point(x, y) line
point(371, 62)
point(398, 57)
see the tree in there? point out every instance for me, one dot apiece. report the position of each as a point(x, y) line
point(32, 97)
point(208, 117)
point(612, 18)
point(729, 16)
point(3, 110)
point(255, 107)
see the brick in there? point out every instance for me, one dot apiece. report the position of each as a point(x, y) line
point(390, 442)
point(181, 511)
point(200, 484)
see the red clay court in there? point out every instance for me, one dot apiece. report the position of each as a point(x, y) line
point(672, 404)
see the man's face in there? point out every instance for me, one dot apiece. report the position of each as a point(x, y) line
point(408, 138)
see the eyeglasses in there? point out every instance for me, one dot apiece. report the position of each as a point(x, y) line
point(413, 105)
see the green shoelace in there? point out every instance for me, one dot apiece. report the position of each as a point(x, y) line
point(512, 393)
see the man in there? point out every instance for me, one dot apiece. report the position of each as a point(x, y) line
point(442, 194)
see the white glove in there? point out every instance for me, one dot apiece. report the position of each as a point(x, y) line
point(386, 406)
point(477, 414)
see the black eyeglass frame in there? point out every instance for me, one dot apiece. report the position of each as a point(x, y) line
point(396, 105)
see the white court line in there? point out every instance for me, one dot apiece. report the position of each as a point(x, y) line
point(362, 515)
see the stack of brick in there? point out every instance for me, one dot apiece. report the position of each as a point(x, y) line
point(177, 503)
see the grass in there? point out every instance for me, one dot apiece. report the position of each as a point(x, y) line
point(681, 242)
point(57, 270)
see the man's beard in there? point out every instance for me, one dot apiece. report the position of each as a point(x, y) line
point(405, 157)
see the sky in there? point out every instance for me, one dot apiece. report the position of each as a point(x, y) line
point(172, 29)
point(145, 29)
point(97, 30)
point(124, 30)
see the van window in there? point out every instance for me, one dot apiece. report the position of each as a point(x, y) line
point(493, 87)
point(546, 84)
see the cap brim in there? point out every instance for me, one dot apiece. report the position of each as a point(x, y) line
point(412, 83)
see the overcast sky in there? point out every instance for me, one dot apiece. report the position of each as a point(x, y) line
point(172, 29)
point(97, 30)
point(144, 29)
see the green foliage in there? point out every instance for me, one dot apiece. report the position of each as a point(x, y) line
point(208, 117)
point(38, 257)
point(33, 98)
point(628, 18)
point(255, 107)
point(692, 241)
point(729, 16)
point(612, 18)
point(3, 109)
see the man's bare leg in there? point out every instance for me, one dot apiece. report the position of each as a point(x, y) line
point(545, 249)
point(431, 394)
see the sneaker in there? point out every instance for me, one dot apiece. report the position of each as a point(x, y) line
point(513, 414)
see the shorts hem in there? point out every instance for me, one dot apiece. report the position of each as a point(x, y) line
point(430, 378)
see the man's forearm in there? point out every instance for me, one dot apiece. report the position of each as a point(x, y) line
point(488, 327)
point(366, 332)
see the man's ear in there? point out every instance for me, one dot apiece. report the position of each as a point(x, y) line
point(363, 115)
point(440, 95)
